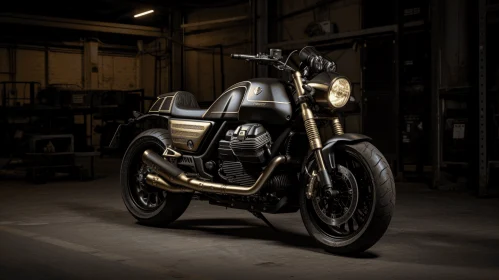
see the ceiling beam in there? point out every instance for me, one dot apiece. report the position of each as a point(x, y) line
point(317, 5)
point(344, 35)
point(335, 36)
point(216, 21)
point(85, 25)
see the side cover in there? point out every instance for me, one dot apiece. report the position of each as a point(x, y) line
point(188, 135)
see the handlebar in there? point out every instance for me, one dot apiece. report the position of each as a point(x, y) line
point(309, 57)
point(259, 58)
point(316, 61)
point(242, 56)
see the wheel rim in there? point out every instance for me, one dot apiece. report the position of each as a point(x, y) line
point(352, 221)
point(339, 209)
point(144, 197)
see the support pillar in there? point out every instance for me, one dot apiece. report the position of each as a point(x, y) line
point(91, 65)
point(482, 98)
point(176, 51)
point(261, 34)
point(436, 136)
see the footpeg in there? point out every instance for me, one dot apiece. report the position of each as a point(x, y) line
point(169, 152)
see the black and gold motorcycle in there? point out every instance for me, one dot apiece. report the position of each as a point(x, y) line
point(258, 147)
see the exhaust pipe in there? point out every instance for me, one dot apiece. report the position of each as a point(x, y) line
point(158, 182)
point(174, 175)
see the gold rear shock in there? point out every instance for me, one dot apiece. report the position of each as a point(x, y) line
point(337, 127)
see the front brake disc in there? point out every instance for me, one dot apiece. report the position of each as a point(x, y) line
point(345, 203)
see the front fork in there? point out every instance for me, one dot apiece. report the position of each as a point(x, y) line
point(314, 140)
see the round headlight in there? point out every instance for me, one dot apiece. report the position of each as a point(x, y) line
point(339, 92)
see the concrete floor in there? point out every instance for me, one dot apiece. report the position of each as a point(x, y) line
point(81, 230)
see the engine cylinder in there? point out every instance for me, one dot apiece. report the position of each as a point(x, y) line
point(249, 143)
point(243, 153)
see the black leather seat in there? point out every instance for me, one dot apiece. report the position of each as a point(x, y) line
point(185, 105)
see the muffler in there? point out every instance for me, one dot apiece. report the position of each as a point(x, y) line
point(173, 175)
point(158, 182)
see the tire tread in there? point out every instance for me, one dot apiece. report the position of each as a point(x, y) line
point(383, 210)
point(176, 203)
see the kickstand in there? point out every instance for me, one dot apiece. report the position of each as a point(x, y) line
point(260, 216)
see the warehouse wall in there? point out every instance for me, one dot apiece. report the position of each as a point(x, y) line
point(64, 66)
point(23, 65)
point(117, 71)
point(200, 77)
point(4, 65)
point(346, 15)
point(454, 58)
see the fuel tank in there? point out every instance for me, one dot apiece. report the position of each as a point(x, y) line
point(256, 100)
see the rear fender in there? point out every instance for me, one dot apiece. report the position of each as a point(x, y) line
point(125, 128)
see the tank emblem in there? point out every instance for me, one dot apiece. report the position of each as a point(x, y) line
point(257, 91)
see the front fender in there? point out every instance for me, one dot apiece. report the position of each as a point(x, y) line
point(347, 138)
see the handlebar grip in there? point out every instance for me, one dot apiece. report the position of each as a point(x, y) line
point(242, 56)
point(317, 62)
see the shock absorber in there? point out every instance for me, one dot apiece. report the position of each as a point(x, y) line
point(314, 137)
point(337, 127)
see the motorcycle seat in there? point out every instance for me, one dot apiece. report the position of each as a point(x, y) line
point(184, 105)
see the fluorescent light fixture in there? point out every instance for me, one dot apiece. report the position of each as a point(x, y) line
point(144, 13)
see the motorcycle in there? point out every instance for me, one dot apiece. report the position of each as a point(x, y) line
point(259, 148)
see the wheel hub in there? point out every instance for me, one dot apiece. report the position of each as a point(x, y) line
point(338, 209)
point(148, 198)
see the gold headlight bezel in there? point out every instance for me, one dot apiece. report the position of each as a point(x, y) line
point(336, 88)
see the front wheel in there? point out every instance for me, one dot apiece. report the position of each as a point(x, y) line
point(357, 216)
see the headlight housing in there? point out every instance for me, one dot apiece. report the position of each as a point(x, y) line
point(339, 92)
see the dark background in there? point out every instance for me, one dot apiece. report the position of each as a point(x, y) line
point(425, 73)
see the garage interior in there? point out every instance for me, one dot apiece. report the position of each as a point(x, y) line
point(424, 74)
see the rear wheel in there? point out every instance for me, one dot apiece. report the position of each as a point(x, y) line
point(356, 217)
point(149, 205)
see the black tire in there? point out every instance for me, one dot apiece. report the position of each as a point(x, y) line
point(381, 209)
point(174, 204)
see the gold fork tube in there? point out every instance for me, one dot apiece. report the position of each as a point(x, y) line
point(314, 137)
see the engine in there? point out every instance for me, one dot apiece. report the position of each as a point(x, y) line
point(243, 153)
point(250, 142)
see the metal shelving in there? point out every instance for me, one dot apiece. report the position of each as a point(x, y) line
point(434, 24)
point(393, 33)
point(484, 164)
point(482, 97)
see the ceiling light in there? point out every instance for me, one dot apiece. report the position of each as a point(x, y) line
point(144, 13)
